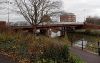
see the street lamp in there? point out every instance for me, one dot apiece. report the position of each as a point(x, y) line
point(84, 14)
point(8, 11)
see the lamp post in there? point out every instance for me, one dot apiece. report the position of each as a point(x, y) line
point(8, 11)
point(84, 14)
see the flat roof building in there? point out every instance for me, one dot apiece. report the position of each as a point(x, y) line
point(93, 20)
point(68, 17)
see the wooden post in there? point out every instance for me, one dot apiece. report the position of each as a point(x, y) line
point(99, 48)
point(82, 45)
point(98, 44)
point(71, 43)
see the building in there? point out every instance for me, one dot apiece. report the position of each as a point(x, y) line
point(93, 20)
point(19, 23)
point(67, 17)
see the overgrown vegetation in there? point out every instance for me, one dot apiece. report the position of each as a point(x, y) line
point(39, 49)
point(75, 59)
point(92, 40)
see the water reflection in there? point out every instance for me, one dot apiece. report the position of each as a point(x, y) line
point(90, 42)
point(81, 43)
point(77, 37)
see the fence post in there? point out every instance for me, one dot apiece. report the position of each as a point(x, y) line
point(82, 44)
point(99, 48)
point(71, 42)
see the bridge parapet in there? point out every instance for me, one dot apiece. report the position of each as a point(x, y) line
point(91, 26)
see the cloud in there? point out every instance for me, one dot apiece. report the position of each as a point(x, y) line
point(82, 8)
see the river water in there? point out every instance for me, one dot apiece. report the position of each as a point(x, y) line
point(89, 41)
point(79, 43)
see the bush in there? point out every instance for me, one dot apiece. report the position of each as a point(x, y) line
point(75, 59)
point(33, 48)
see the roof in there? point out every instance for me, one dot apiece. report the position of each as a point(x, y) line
point(68, 23)
point(67, 14)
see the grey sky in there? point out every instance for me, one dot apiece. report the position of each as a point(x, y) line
point(81, 8)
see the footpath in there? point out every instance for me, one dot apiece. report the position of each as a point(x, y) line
point(5, 59)
point(85, 55)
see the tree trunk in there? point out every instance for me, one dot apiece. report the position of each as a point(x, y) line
point(34, 29)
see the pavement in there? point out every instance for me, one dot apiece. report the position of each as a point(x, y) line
point(85, 55)
point(5, 59)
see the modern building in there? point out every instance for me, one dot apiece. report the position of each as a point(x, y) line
point(68, 17)
point(93, 20)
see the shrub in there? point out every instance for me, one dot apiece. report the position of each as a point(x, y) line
point(75, 59)
point(34, 48)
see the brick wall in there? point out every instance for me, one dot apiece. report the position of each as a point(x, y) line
point(2, 25)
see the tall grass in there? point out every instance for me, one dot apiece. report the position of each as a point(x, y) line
point(75, 59)
point(34, 49)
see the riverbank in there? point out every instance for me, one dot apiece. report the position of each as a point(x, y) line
point(90, 39)
point(26, 48)
point(89, 32)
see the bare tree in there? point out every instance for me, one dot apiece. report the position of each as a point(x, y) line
point(34, 10)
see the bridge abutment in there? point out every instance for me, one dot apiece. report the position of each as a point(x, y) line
point(63, 31)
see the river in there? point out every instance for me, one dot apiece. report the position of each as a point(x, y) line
point(89, 42)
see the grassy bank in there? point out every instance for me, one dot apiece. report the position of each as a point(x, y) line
point(26, 48)
point(92, 32)
point(75, 59)
point(92, 39)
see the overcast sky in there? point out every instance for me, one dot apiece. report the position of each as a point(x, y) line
point(81, 8)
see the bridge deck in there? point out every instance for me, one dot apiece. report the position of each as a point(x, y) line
point(59, 24)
